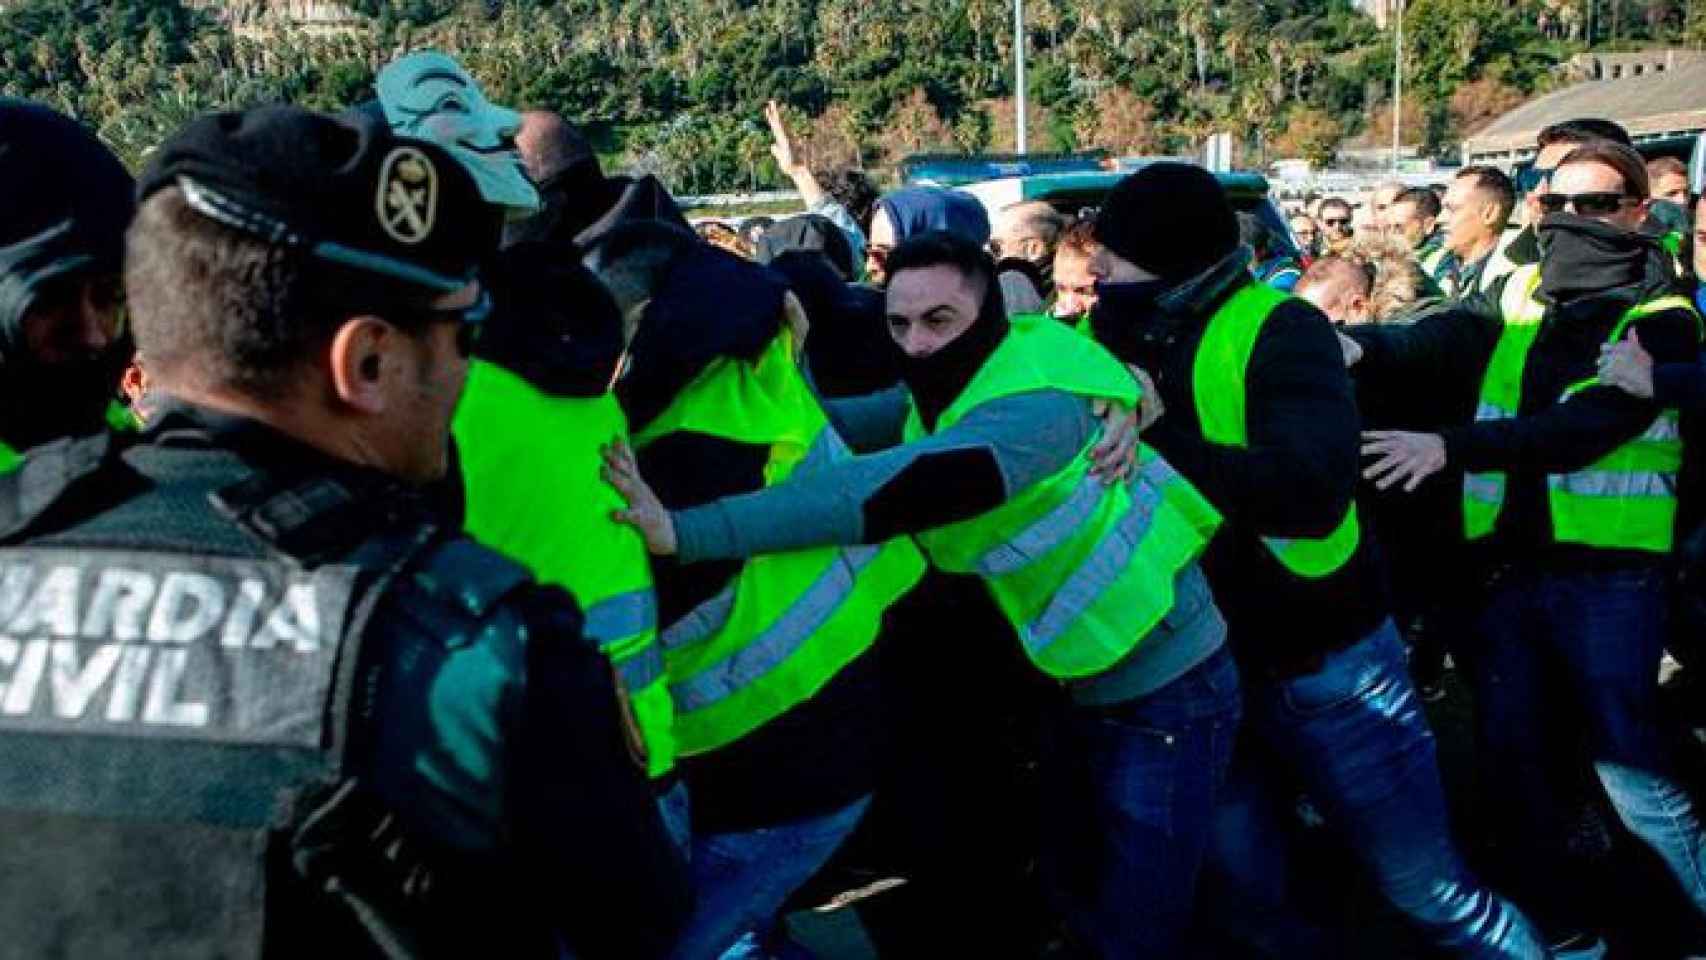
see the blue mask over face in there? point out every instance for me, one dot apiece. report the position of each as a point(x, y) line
point(428, 95)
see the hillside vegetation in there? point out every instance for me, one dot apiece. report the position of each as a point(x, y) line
point(676, 86)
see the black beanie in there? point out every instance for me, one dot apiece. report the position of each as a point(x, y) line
point(1171, 219)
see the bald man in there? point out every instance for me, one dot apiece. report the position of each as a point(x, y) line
point(582, 205)
point(1023, 240)
point(550, 145)
point(1339, 288)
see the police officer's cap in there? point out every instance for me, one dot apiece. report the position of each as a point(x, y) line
point(345, 190)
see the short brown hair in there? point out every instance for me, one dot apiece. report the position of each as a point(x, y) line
point(1493, 185)
point(1624, 160)
point(223, 309)
point(1665, 167)
point(1078, 239)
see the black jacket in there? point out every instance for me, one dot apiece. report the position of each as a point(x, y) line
point(1296, 477)
point(1444, 357)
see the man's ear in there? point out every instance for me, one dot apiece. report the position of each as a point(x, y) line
point(360, 357)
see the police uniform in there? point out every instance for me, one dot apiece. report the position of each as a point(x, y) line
point(257, 700)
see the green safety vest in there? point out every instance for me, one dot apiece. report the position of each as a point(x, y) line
point(1217, 378)
point(789, 621)
point(519, 446)
point(1082, 571)
point(119, 419)
point(1624, 501)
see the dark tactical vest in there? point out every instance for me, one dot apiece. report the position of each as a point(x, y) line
point(176, 689)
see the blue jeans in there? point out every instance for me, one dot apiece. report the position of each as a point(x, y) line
point(1354, 736)
point(1584, 646)
point(741, 880)
point(1129, 790)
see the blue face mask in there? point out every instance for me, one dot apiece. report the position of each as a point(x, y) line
point(428, 95)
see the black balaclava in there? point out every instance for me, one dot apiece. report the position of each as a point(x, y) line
point(937, 380)
point(1583, 256)
point(63, 215)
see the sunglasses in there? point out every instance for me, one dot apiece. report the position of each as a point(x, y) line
point(1336, 221)
point(469, 320)
point(1594, 204)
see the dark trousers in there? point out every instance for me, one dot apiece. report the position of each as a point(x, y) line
point(1354, 738)
point(1584, 646)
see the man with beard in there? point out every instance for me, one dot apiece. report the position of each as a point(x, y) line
point(63, 343)
point(1569, 501)
point(1260, 416)
point(987, 461)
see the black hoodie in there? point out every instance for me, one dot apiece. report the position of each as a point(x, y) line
point(63, 215)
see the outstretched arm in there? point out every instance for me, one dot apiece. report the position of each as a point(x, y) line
point(999, 449)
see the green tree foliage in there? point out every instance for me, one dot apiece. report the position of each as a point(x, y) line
point(676, 86)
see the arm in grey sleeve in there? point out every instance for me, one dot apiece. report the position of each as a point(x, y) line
point(999, 449)
point(874, 421)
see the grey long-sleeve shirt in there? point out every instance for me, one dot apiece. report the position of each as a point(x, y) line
point(999, 449)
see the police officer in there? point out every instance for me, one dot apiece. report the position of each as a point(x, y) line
point(1260, 417)
point(1570, 504)
point(257, 696)
point(995, 478)
point(62, 217)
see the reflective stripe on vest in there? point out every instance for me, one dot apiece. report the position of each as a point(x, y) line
point(530, 476)
point(1624, 501)
point(1220, 393)
point(1083, 571)
point(789, 621)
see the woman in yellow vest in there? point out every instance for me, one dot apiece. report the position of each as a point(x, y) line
point(992, 473)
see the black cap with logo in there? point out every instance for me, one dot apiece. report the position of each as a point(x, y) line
point(346, 190)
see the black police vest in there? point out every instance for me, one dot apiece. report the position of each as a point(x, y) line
point(175, 712)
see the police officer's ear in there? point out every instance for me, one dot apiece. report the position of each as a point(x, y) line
point(361, 354)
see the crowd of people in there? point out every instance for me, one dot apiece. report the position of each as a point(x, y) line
point(416, 541)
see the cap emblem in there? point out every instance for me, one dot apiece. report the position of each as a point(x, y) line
point(407, 202)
